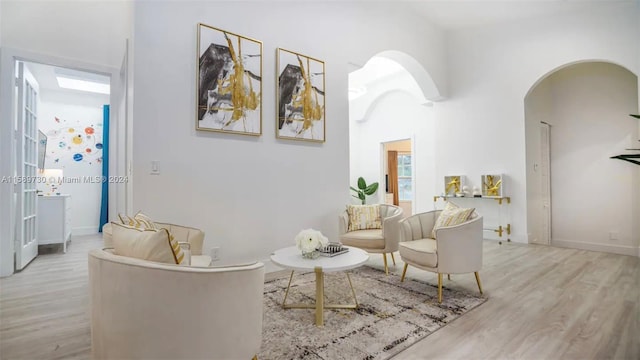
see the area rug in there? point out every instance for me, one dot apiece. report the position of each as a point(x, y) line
point(392, 316)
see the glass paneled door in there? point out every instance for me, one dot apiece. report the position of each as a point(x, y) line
point(26, 166)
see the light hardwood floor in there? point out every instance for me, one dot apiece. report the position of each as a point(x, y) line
point(544, 303)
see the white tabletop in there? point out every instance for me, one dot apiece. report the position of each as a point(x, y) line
point(291, 258)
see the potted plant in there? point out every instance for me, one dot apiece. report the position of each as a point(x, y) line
point(363, 190)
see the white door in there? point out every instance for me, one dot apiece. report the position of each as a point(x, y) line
point(26, 167)
point(545, 184)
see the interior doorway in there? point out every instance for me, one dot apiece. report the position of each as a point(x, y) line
point(390, 100)
point(578, 195)
point(545, 183)
point(398, 164)
point(61, 117)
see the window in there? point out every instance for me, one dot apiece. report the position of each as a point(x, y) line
point(405, 191)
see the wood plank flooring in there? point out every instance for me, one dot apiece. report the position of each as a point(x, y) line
point(544, 303)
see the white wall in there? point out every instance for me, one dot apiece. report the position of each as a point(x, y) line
point(86, 35)
point(251, 195)
point(395, 116)
point(592, 195)
point(91, 31)
point(481, 127)
point(76, 112)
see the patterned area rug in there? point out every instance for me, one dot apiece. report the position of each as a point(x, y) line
point(392, 316)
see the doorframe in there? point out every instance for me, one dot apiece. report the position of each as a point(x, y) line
point(8, 57)
point(546, 215)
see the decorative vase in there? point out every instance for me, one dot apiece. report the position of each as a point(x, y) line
point(310, 254)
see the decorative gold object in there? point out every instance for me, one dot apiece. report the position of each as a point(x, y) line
point(229, 82)
point(300, 97)
point(492, 185)
point(452, 185)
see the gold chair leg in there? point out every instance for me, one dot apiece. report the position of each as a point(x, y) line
point(478, 281)
point(394, 259)
point(404, 272)
point(386, 268)
point(448, 276)
point(439, 288)
point(255, 357)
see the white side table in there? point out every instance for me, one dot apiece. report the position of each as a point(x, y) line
point(291, 258)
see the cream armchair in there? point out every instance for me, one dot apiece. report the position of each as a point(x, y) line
point(379, 241)
point(147, 310)
point(456, 249)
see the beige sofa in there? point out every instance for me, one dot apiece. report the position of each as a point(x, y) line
point(183, 234)
point(147, 310)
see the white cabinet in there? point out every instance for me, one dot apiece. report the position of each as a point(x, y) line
point(54, 221)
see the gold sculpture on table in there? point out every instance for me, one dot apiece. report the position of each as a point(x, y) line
point(452, 185)
point(492, 185)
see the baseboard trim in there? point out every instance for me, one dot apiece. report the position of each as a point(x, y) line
point(615, 249)
point(85, 230)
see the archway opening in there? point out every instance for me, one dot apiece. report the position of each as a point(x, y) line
point(576, 118)
point(389, 101)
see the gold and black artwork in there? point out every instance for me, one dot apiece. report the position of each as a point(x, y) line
point(229, 82)
point(300, 99)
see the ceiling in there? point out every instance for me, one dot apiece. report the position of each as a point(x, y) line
point(458, 14)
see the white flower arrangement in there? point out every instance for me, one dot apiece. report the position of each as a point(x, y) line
point(310, 240)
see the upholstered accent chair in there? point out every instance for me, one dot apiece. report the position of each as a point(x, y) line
point(148, 310)
point(455, 249)
point(380, 241)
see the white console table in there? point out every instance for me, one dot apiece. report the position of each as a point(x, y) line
point(54, 221)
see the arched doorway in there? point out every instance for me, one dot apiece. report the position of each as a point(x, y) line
point(576, 118)
point(390, 99)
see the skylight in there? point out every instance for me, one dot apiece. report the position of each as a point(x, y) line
point(83, 85)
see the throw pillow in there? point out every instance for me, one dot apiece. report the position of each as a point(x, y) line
point(145, 221)
point(124, 219)
point(451, 215)
point(363, 217)
point(146, 244)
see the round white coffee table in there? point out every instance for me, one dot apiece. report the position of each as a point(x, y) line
point(291, 258)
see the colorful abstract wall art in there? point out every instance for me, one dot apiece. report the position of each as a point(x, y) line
point(72, 141)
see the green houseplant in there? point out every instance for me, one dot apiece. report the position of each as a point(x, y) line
point(364, 189)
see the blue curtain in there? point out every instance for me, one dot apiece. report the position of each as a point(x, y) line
point(104, 206)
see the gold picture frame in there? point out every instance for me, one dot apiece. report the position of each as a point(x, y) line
point(228, 82)
point(300, 97)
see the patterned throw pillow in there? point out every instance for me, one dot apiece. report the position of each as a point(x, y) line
point(363, 217)
point(451, 215)
point(144, 221)
point(139, 220)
